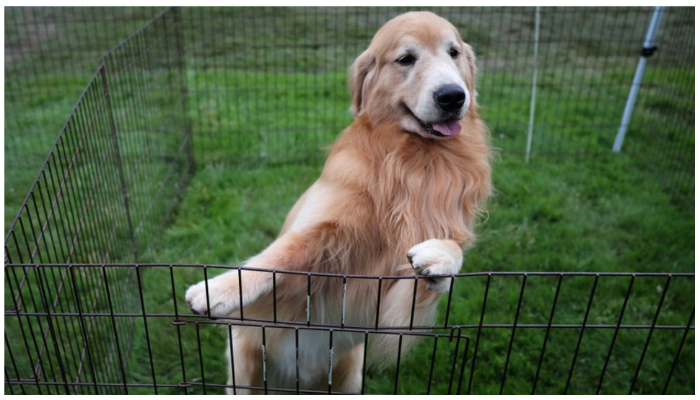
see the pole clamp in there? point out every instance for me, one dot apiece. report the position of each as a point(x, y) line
point(649, 51)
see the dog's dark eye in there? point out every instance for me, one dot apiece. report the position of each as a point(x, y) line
point(454, 53)
point(406, 60)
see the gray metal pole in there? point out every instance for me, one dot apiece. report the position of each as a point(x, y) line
point(647, 51)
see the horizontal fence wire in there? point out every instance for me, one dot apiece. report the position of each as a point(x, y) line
point(87, 314)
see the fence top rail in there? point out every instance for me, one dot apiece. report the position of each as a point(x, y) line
point(356, 276)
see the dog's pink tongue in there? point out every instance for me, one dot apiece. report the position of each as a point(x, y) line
point(449, 128)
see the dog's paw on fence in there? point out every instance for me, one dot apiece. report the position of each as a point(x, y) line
point(435, 257)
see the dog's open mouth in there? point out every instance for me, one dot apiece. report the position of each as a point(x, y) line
point(448, 128)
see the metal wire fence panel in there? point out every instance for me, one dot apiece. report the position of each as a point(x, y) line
point(586, 63)
point(587, 58)
point(146, 91)
point(50, 55)
point(85, 313)
point(247, 63)
point(75, 212)
point(570, 340)
point(106, 187)
point(123, 153)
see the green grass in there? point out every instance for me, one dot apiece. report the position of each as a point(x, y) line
point(259, 120)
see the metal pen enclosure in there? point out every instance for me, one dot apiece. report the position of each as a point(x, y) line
point(75, 274)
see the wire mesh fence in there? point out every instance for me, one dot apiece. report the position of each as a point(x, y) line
point(661, 132)
point(586, 62)
point(551, 342)
point(190, 85)
point(50, 55)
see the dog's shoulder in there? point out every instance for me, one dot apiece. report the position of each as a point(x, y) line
point(352, 161)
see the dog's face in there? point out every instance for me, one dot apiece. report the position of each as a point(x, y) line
point(417, 71)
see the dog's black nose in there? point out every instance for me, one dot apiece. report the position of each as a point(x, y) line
point(449, 97)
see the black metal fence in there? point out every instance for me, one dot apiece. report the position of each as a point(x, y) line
point(80, 317)
point(72, 329)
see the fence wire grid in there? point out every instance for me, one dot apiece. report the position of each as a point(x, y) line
point(174, 90)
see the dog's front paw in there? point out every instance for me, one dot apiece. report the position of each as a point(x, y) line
point(222, 299)
point(436, 257)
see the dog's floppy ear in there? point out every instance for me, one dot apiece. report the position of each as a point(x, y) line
point(471, 71)
point(361, 74)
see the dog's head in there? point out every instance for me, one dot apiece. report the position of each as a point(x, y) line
point(417, 71)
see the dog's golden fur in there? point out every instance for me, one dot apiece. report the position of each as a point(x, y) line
point(383, 190)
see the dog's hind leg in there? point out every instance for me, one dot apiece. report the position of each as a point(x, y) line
point(347, 373)
point(245, 368)
point(434, 260)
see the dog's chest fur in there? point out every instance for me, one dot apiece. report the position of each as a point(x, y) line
point(426, 193)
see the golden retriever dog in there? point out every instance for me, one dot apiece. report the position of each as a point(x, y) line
point(406, 179)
